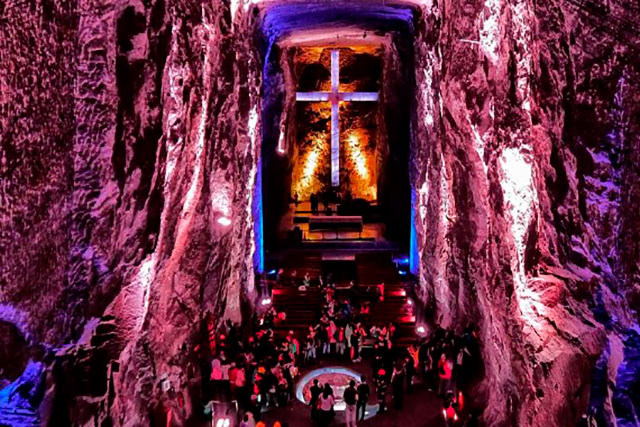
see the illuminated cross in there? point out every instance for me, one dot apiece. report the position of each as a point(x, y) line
point(335, 96)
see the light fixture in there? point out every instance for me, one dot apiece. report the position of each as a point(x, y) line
point(223, 422)
point(421, 330)
point(281, 143)
point(410, 301)
point(265, 301)
point(224, 221)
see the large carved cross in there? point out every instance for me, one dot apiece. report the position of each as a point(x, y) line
point(335, 96)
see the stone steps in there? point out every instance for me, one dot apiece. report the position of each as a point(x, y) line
point(304, 307)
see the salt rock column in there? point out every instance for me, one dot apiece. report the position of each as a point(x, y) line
point(203, 260)
point(497, 253)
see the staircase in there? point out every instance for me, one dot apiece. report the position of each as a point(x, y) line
point(303, 308)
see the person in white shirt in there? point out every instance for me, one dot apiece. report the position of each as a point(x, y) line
point(325, 405)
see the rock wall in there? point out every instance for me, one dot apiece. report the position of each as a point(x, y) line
point(129, 156)
point(36, 163)
point(130, 137)
point(522, 139)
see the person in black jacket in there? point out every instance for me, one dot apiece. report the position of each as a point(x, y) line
point(350, 398)
point(363, 398)
point(382, 384)
point(397, 384)
point(316, 390)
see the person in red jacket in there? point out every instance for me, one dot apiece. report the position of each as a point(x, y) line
point(445, 367)
point(450, 409)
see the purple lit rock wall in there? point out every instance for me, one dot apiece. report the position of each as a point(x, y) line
point(525, 174)
point(128, 129)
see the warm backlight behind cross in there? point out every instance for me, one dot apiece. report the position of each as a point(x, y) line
point(335, 96)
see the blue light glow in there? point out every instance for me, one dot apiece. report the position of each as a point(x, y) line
point(414, 259)
point(282, 20)
point(258, 226)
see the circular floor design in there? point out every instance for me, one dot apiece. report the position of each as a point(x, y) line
point(338, 377)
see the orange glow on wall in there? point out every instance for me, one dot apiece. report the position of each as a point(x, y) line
point(307, 171)
point(361, 166)
point(358, 157)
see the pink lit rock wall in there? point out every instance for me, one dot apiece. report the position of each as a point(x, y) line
point(128, 129)
point(524, 173)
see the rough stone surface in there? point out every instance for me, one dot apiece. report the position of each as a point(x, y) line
point(128, 129)
point(524, 136)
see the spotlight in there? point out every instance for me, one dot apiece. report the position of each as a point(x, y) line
point(421, 330)
point(224, 221)
point(265, 301)
point(281, 148)
point(402, 260)
point(410, 301)
point(223, 422)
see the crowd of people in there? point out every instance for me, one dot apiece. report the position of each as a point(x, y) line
point(258, 371)
point(447, 363)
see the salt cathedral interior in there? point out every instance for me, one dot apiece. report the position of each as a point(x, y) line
point(265, 213)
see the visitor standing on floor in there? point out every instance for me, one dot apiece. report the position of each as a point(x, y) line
point(226, 382)
point(316, 391)
point(450, 409)
point(355, 346)
point(381, 390)
point(325, 406)
point(444, 372)
point(348, 331)
point(310, 346)
point(410, 371)
point(216, 378)
point(363, 398)
point(397, 384)
point(340, 341)
point(350, 398)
